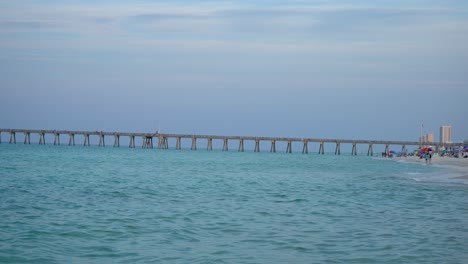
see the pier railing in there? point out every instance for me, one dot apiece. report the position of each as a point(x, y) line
point(162, 140)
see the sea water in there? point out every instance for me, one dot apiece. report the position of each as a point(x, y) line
point(64, 204)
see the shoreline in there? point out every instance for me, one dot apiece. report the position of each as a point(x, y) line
point(453, 165)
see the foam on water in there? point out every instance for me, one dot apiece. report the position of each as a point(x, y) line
point(61, 204)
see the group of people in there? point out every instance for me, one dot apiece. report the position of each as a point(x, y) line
point(455, 153)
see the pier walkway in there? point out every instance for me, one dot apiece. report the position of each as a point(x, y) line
point(162, 140)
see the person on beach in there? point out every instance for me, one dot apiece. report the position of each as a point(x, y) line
point(427, 157)
point(430, 157)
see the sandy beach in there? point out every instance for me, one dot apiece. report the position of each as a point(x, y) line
point(437, 160)
point(459, 165)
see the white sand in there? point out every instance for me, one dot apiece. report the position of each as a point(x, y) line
point(460, 162)
point(459, 165)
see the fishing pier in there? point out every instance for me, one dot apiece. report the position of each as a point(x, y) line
point(163, 142)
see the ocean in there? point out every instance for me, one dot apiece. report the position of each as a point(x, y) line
point(75, 204)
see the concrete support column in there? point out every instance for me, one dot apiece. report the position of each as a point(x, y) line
point(0, 137)
point(12, 138)
point(160, 142)
point(194, 143)
point(241, 145)
point(225, 144)
point(338, 149)
point(42, 138)
point(71, 139)
point(354, 150)
point(27, 137)
point(209, 144)
point(117, 140)
point(273, 146)
point(147, 142)
point(178, 143)
point(132, 142)
point(257, 145)
point(305, 148)
point(56, 138)
point(289, 147)
point(370, 151)
point(101, 140)
point(322, 148)
point(166, 143)
point(87, 141)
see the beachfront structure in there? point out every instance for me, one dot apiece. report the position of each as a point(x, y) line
point(430, 137)
point(445, 135)
point(163, 142)
point(427, 139)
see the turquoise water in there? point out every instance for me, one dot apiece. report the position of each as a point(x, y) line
point(61, 204)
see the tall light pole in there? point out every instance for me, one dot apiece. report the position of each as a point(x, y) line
point(421, 137)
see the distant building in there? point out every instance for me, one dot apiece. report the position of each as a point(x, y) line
point(446, 134)
point(430, 137)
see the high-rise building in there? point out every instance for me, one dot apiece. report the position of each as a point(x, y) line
point(424, 139)
point(430, 137)
point(446, 134)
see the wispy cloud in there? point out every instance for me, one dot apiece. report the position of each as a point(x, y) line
point(300, 27)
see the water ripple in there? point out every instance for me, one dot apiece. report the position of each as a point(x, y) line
point(103, 205)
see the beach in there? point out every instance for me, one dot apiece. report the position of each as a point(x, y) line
point(454, 165)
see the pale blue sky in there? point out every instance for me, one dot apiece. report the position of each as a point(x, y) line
point(334, 69)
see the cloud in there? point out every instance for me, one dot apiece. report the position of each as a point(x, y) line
point(21, 25)
point(302, 27)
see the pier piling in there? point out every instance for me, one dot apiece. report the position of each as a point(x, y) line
point(132, 142)
point(194, 143)
point(209, 144)
point(116, 140)
point(322, 148)
point(273, 146)
point(354, 150)
point(370, 151)
point(56, 138)
point(338, 148)
point(148, 142)
point(289, 147)
point(225, 144)
point(12, 138)
point(178, 143)
point(305, 148)
point(71, 139)
point(41, 138)
point(27, 137)
point(86, 140)
point(257, 145)
point(241, 145)
point(101, 140)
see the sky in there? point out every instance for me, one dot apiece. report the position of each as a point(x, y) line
point(357, 69)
